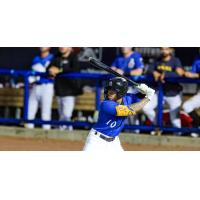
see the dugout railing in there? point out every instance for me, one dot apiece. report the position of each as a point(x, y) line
point(98, 79)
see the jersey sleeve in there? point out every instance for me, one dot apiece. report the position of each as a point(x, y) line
point(124, 111)
point(35, 60)
point(112, 108)
point(178, 63)
point(139, 61)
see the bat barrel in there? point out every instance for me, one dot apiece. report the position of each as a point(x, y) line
point(104, 67)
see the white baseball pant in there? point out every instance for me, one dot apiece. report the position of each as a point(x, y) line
point(96, 144)
point(40, 95)
point(173, 103)
point(192, 103)
point(65, 107)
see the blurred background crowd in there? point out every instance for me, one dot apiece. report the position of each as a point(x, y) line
point(181, 101)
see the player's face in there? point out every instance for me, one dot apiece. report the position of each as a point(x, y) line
point(166, 51)
point(112, 95)
point(126, 50)
point(44, 49)
point(64, 50)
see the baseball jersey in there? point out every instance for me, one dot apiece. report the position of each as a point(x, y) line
point(43, 62)
point(67, 86)
point(196, 66)
point(169, 69)
point(134, 61)
point(108, 122)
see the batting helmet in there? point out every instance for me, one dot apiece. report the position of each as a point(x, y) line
point(117, 84)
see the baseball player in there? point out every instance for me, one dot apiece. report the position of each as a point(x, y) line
point(114, 110)
point(42, 90)
point(129, 64)
point(167, 66)
point(191, 104)
point(66, 89)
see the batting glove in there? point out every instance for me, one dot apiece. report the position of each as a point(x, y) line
point(150, 93)
point(142, 88)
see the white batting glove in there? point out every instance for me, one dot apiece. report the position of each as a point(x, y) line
point(142, 88)
point(150, 93)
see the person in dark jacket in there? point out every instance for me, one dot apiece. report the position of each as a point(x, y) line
point(66, 89)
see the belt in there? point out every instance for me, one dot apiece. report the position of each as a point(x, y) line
point(107, 139)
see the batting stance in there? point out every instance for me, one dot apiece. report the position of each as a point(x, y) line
point(114, 110)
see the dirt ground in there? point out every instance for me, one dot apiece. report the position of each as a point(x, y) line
point(29, 144)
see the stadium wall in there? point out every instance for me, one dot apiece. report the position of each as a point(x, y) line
point(80, 135)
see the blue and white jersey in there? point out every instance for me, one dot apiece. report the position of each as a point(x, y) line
point(40, 64)
point(134, 61)
point(108, 122)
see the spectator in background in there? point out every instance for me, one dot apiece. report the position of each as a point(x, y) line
point(191, 104)
point(167, 66)
point(65, 89)
point(42, 88)
point(129, 63)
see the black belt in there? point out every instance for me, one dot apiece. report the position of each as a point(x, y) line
point(110, 139)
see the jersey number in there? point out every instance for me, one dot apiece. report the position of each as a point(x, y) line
point(111, 124)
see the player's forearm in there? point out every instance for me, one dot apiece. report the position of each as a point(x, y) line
point(138, 106)
point(124, 111)
point(191, 75)
point(136, 72)
point(132, 109)
point(180, 71)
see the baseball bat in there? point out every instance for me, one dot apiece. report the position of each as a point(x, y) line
point(100, 65)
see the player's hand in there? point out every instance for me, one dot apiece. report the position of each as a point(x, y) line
point(120, 71)
point(150, 93)
point(142, 88)
point(191, 75)
point(156, 75)
point(53, 71)
point(162, 78)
